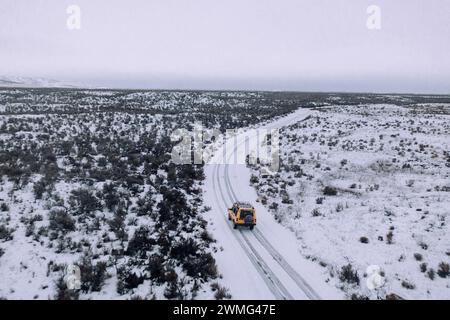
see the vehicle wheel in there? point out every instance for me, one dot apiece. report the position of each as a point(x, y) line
point(234, 226)
point(229, 218)
point(251, 227)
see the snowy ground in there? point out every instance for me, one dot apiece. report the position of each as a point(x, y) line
point(264, 263)
point(368, 185)
point(96, 200)
point(86, 178)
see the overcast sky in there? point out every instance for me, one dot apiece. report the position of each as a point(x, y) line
point(320, 45)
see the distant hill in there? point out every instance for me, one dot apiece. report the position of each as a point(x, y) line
point(28, 82)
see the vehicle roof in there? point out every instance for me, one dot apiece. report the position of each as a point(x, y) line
point(244, 205)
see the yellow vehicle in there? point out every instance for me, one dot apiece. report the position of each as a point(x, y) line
point(242, 214)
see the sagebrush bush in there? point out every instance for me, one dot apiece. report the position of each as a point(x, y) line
point(6, 234)
point(254, 179)
point(110, 196)
point(339, 207)
point(175, 288)
point(60, 220)
point(141, 243)
point(203, 266)
point(93, 276)
point(173, 291)
point(64, 293)
point(184, 249)
point(423, 267)
point(418, 256)
point(408, 285)
point(364, 240)
point(390, 237)
point(127, 280)
point(329, 191)
point(443, 270)
point(117, 224)
point(206, 237)
point(347, 274)
point(39, 188)
point(222, 293)
point(355, 296)
point(156, 268)
point(274, 206)
point(84, 202)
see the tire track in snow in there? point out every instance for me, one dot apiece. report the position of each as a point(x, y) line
point(273, 283)
point(298, 279)
point(294, 275)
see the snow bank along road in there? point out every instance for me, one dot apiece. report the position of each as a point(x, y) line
point(264, 263)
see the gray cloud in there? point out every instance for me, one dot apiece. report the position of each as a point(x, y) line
point(246, 44)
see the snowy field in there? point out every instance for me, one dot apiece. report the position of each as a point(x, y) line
point(86, 179)
point(368, 185)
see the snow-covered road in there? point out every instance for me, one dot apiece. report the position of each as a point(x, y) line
point(264, 263)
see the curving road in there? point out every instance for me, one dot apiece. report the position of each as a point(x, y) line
point(264, 263)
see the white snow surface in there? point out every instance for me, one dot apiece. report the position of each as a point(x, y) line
point(265, 263)
point(390, 166)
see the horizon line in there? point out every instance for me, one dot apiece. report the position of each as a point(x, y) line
point(92, 88)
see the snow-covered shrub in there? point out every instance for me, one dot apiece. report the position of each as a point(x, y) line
point(355, 296)
point(389, 237)
point(254, 179)
point(4, 207)
point(110, 196)
point(423, 267)
point(145, 205)
point(418, 256)
point(202, 266)
point(84, 202)
point(444, 270)
point(408, 285)
point(364, 240)
point(221, 293)
point(347, 274)
point(117, 224)
point(64, 293)
point(274, 206)
point(423, 245)
point(60, 220)
point(141, 243)
point(29, 231)
point(39, 188)
point(92, 275)
point(156, 268)
point(184, 249)
point(6, 234)
point(175, 288)
point(127, 280)
point(329, 191)
point(207, 237)
point(316, 212)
